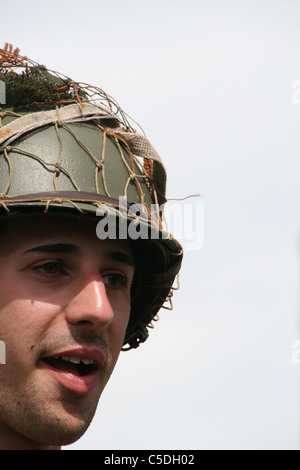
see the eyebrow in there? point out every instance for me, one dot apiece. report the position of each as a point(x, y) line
point(55, 248)
point(69, 248)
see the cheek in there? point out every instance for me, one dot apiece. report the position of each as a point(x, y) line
point(22, 323)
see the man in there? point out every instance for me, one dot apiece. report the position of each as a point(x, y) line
point(85, 262)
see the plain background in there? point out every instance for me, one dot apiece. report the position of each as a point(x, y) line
point(214, 86)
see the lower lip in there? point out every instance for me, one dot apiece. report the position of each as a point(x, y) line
point(75, 383)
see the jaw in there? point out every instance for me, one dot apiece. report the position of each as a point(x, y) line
point(38, 411)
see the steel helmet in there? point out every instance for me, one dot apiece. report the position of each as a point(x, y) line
point(68, 148)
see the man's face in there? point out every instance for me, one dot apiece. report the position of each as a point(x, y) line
point(64, 298)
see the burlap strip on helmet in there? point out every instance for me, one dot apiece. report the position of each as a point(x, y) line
point(138, 144)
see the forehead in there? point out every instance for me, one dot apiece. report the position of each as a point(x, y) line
point(21, 232)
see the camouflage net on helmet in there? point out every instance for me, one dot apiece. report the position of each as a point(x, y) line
point(31, 86)
point(37, 97)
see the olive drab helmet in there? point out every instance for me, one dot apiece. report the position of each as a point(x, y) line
point(68, 147)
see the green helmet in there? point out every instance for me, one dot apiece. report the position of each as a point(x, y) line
point(68, 147)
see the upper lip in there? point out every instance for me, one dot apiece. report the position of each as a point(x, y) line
point(83, 353)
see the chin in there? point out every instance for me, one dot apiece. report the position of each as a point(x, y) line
point(59, 429)
point(59, 436)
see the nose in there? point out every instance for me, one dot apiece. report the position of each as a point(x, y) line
point(89, 304)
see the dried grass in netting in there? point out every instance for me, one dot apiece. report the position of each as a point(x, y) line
point(35, 86)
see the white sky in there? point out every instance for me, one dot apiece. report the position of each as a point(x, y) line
point(211, 84)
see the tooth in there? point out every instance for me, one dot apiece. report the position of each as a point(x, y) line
point(74, 360)
point(65, 358)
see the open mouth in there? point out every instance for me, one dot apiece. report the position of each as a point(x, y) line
point(79, 370)
point(73, 365)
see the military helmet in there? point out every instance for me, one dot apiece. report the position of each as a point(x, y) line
point(69, 148)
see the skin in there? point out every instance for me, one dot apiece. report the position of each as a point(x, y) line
point(76, 294)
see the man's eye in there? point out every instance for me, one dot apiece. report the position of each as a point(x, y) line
point(50, 269)
point(115, 280)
